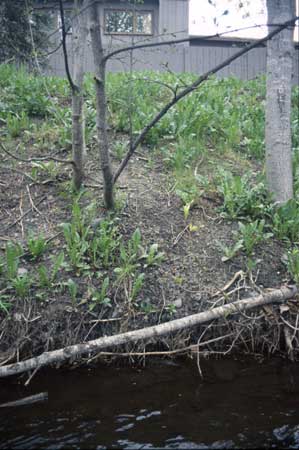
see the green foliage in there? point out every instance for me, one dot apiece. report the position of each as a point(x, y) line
point(76, 235)
point(120, 149)
point(58, 263)
point(103, 246)
point(73, 289)
point(241, 199)
point(22, 284)
point(230, 252)
point(43, 277)
point(293, 263)
point(15, 31)
point(12, 257)
point(253, 233)
point(37, 245)
point(286, 221)
point(16, 123)
point(102, 296)
point(4, 304)
point(137, 286)
point(152, 256)
point(47, 277)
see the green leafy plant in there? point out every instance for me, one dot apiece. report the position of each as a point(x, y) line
point(101, 296)
point(171, 309)
point(146, 307)
point(37, 245)
point(16, 123)
point(286, 221)
point(58, 263)
point(76, 246)
point(136, 286)
point(128, 266)
point(253, 233)
point(4, 304)
point(152, 256)
point(230, 252)
point(119, 150)
point(12, 256)
point(47, 277)
point(43, 277)
point(22, 285)
point(103, 246)
point(76, 236)
point(73, 289)
point(293, 263)
point(241, 199)
point(134, 244)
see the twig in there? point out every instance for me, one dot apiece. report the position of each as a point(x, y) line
point(179, 236)
point(31, 376)
point(228, 285)
point(31, 201)
point(114, 319)
point(12, 169)
point(288, 324)
point(36, 159)
point(193, 348)
point(23, 215)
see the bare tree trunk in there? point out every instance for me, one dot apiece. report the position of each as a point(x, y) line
point(280, 51)
point(101, 105)
point(79, 36)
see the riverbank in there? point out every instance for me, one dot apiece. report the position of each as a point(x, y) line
point(185, 237)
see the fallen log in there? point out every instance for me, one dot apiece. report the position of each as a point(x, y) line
point(63, 354)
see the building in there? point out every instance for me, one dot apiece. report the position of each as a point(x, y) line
point(124, 23)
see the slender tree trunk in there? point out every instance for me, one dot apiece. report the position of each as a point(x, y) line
point(280, 51)
point(101, 105)
point(79, 36)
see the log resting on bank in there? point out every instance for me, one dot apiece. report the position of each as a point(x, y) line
point(73, 351)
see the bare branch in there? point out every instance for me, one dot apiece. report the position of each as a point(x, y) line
point(184, 40)
point(66, 62)
point(31, 160)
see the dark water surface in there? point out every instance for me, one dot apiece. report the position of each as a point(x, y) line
point(239, 404)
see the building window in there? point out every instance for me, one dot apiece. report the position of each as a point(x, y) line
point(67, 21)
point(128, 22)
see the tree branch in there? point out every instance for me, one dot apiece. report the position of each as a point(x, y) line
point(66, 62)
point(31, 160)
point(183, 40)
point(191, 88)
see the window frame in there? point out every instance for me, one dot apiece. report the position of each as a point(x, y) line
point(67, 12)
point(134, 12)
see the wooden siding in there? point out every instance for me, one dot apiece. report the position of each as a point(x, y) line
point(199, 59)
point(171, 17)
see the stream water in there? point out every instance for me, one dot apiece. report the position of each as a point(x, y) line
point(237, 405)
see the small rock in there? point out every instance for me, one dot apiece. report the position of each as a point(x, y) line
point(18, 317)
point(178, 303)
point(22, 271)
